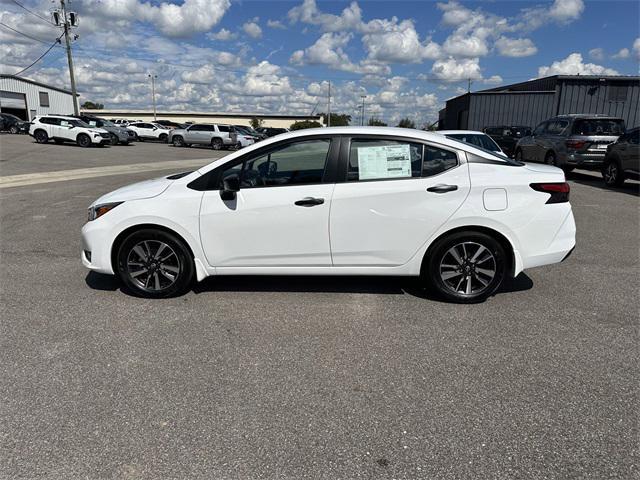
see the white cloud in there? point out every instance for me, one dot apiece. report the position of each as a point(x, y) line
point(222, 35)
point(515, 47)
point(454, 70)
point(622, 54)
point(574, 65)
point(173, 20)
point(636, 47)
point(493, 80)
point(390, 41)
point(566, 10)
point(597, 53)
point(276, 24)
point(454, 14)
point(308, 12)
point(252, 29)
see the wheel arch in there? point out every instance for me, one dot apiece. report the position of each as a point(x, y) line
point(115, 246)
point(500, 237)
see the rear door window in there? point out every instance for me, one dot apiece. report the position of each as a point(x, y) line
point(598, 126)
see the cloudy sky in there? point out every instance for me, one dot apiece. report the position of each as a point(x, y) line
point(278, 56)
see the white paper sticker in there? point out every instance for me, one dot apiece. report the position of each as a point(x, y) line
point(388, 161)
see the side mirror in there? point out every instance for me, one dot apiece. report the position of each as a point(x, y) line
point(230, 185)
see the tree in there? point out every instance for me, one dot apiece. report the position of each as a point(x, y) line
point(92, 106)
point(337, 119)
point(256, 122)
point(376, 122)
point(406, 123)
point(305, 124)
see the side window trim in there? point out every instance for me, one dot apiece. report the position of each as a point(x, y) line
point(210, 181)
point(345, 151)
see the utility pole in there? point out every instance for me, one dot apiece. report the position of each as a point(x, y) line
point(469, 85)
point(66, 25)
point(362, 119)
point(153, 93)
point(329, 106)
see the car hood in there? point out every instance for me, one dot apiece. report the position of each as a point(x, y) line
point(97, 130)
point(136, 191)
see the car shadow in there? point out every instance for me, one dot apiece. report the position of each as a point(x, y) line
point(630, 187)
point(99, 281)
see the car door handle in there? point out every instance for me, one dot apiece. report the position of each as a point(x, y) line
point(442, 188)
point(309, 202)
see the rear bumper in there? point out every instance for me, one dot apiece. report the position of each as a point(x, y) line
point(558, 249)
point(586, 160)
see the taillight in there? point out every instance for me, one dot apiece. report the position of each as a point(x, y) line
point(559, 191)
point(575, 144)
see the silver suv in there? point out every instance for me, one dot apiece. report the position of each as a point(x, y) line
point(218, 136)
point(570, 141)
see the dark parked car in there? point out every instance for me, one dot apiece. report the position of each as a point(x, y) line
point(507, 136)
point(11, 123)
point(570, 141)
point(623, 159)
point(169, 124)
point(118, 133)
point(271, 131)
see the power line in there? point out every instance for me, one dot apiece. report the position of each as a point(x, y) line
point(24, 34)
point(33, 13)
point(40, 57)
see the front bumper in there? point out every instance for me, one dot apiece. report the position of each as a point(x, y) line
point(96, 247)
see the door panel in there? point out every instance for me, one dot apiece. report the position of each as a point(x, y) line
point(385, 222)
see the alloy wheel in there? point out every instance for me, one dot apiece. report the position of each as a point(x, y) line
point(611, 173)
point(153, 265)
point(468, 268)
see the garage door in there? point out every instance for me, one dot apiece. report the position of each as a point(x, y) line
point(15, 103)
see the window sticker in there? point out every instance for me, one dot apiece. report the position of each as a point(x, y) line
point(388, 161)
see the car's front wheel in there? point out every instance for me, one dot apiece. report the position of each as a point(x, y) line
point(13, 129)
point(466, 267)
point(114, 139)
point(41, 136)
point(155, 264)
point(612, 174)
point(177, 141)
point(216, 144)
point(83, 140)
point(163, 137)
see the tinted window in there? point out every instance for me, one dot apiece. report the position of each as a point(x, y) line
point(556, 127)
point(196, 128)
point(223, 128)
point(494, 131)
point(208, 128)
point(482, 141)
point(598, 126)
point(437, 160)
point(634, 136)
point(377, 159)
point(540, 128)
point(293, 164)
point(50, 121)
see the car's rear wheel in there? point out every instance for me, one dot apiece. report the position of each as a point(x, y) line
point(466, 267)
point(216, 144)
point(114, 139)
point(155, 264)
point(83, 140)
point(41, 136)
point(164, 137)
point(519, 157)
point(178, 141)
point(612, 173)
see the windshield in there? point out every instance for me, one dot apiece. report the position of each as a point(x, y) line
point(107, 123)
point(483, 141)
point(599, 126)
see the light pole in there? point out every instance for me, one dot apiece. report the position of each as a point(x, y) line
point(362, 119)
point(329, 106)
point(153, 93)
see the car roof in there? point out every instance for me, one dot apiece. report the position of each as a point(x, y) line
point(462, 132)
point(64, 117)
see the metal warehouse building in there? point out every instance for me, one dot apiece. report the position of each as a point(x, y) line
point(529, 103)
point(26, 98)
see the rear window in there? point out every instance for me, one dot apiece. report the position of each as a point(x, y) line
point(598, 126)
point(482, 141)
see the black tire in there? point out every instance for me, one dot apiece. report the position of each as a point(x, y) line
point(178, 263)
point(550, 159)
point(83, 140)
point(612, 173)
point(178, 141)
point(478, 253)
point(518, 156)
point(164, 137)
point(41, 136)
point(216, 144)
point(114, 139)
point(13, 129)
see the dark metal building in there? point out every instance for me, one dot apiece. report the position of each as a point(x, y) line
point(529, 103)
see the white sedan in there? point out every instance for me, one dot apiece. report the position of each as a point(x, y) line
point(337, 201)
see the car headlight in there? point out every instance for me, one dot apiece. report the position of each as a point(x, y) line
point(98, 210)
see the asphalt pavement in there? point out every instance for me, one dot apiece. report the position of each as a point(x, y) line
point(297, 377)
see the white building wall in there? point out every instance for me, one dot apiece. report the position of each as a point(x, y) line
point(60, 103)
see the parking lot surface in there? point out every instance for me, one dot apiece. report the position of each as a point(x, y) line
point(295, 377)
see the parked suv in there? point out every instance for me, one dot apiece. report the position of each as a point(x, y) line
point(13, 124)
point(117, 133)
point(151, 131)
point(272, 131)
point(218, 136)
point(507, 136)
point(67, 129)
point(622, 160)
point(571, 141)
